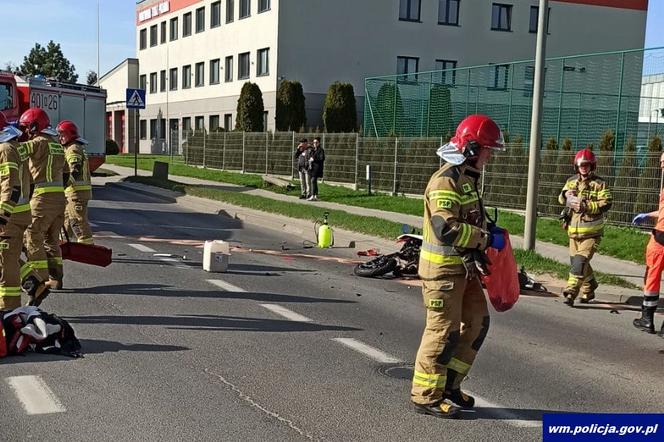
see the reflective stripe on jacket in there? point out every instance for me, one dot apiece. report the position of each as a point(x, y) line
point(46, 161)
point(454, 221)
point(596, 200)
point(9, 176)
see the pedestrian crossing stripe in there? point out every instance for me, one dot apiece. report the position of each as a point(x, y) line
point(136, 100)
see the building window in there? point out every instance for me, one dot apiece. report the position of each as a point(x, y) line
point(200, 74)
point(228, 67)
point(245, 8)
point(174, 28)
point(199, 123)
point(153, 35)
point(534, 13)
point(142, 82)
point(143, 38)
point(263, 67)
point(200, 20)
point(213, 123)
point(153, 83)
point(173, 79)
point(501, 17)
point(406, 66)
point(186, 124)
point(444, 65)
point(186, 24)
point(263, 5)
point(500, 77)
point(186, 76)
point(162, 81)
point(142, 129)
point(163, 32)
point(409, 10)
point(230, 10)
point(214, 71)
point(162, 128)
point(243, 66)
point(215, 14)
point(265, 117)
point(153, 129)
point(228, 122)
point(448, 12)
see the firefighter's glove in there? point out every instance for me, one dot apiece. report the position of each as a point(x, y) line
point(640, 218)
point(496, 237)
point(573, 201)
point(476, 263)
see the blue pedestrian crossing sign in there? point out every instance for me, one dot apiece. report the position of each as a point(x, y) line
point(135, 98)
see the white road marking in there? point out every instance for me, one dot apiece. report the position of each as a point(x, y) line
point(367, 350)
point(506, 416)
point(142, 248)
point(288, 314)
point(225, 285)
point(35, 396)
point(174, 262)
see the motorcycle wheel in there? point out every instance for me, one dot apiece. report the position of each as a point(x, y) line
point(376, 267)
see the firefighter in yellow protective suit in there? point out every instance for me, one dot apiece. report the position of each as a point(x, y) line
point(14, 215)
point(586, 198)
point(452, 258)
point(78, 189)
point(47, 166)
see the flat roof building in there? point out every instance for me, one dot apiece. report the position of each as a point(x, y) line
point(195, 55)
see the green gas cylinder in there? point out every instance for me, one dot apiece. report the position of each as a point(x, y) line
point(325, 234)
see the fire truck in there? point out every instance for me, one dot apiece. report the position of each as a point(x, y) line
point(82, 104)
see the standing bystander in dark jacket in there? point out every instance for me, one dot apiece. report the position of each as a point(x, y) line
point(302, 154)
point(316, 165)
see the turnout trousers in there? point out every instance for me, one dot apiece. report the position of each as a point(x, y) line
point(653, 276)
point(11, 245)
point(581, 279)
point(76, 218)
point(456, 324)
point(42, 239)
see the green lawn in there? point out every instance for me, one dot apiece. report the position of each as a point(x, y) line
point(619, 242)
point(362, 224)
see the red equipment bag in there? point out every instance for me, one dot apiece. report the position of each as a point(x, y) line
point(502, 284)
point(86, 253)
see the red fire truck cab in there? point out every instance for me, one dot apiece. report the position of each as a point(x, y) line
point(82, 104)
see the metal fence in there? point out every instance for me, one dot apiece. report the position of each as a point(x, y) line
point(584, 96)
point(402, 165)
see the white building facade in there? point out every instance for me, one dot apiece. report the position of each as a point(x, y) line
point(195, 55)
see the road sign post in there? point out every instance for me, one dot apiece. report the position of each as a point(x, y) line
point(136, 100)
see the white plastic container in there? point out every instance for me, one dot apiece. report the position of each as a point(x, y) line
point(216, 255)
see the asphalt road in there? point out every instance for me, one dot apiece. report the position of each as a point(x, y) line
point(290, 345)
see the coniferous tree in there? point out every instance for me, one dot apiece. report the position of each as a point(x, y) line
point(291, 114)
point(250, 109)
point(340, 110)
point(50, 62)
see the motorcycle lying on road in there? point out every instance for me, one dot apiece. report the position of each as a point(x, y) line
point(403, 262)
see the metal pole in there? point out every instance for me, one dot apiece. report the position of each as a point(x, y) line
point(560, 102)
point(357, 158)
point(98, 39)
point(429, 104)
point(138, 141)
point(293, 162)
point(394, 181)
point(223, 154)
point(204, 156)
point(394, 109)
point(243, 148)
point(267, 143)
point(535, 128)
point(467, 91)
point(620, 87)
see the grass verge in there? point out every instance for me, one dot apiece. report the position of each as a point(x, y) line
point(362, 224)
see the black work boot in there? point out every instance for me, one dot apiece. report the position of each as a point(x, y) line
point(661, 332)
point(460, 398)
point(569, 298)
point(439, 409)
point(36, 290)
point(645, 322)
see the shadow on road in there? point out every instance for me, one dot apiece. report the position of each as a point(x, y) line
point(96, 346)
point(211, 323)
point(167, 291)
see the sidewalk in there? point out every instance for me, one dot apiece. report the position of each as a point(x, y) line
point(627, 270)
